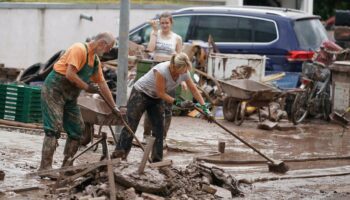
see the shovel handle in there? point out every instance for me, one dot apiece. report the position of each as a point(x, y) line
point(104, 137)
point(124, 122)
point(236, 136)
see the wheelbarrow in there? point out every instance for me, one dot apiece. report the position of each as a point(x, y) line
point(96, 112)
point(243, 92)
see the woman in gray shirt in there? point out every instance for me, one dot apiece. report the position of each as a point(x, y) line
point(149, 94)
point(163, 43)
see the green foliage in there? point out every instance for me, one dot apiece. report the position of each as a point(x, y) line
point(326, 8)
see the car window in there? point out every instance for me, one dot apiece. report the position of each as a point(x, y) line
point(181, 24)
point(244, 30)
point(141, 36)
point(234, 29)
point(221, 28)
point(264, 31)
point(310, 33)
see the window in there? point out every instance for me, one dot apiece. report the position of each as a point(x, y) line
point(141, 36)
point(244, 31)
point(180, 27)
point(221, 28)
point(264, 31)
point(234, 29)
point(310, 33)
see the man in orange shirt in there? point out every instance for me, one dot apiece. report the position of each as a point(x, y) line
point(72, 73)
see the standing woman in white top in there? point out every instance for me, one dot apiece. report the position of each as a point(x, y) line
point(163, 43)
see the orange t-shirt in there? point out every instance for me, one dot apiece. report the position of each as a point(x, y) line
point(76, 56)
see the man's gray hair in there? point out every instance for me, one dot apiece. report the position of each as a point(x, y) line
point(106, 36)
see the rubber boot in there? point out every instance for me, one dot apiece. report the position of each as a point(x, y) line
point(119, 154)
point(49, 147)
point(70, 149)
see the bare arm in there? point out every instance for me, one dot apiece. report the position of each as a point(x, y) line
point(160, 88)
point(71, 75)
point(153, 38)
point(178, 45)
point(195, 91)
point(106, 93)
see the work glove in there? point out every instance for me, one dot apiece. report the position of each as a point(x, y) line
point(208, 115)
point(184, 104)
point(120, 109)
point(93, 88)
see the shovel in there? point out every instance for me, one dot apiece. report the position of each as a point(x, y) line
point(124, 122)
point(340, 118)
point(276, 166)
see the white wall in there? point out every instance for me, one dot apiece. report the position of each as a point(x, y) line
point(32, 33)
point(304, 5)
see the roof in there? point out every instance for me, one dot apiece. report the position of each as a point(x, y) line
point(255, 10)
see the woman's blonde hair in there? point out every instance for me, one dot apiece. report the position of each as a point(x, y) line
point(180, 61)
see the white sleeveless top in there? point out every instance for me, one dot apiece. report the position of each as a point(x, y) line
point(166, 47)
point(147, 83)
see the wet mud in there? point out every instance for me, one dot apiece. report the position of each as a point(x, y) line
point(189, 138)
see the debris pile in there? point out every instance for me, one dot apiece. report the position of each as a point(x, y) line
point(8, 74)
point(196, 181)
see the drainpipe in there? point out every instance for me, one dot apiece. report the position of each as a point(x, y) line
point(122, 74)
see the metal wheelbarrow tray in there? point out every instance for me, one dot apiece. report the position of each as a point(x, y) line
point(96, 112)
point(249, 90)
point(243, 92)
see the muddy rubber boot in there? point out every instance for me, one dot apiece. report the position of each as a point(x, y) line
point(119, 154)
point(70, 149)
point(49, 147)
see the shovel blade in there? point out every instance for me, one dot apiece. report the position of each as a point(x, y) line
point(339, 119)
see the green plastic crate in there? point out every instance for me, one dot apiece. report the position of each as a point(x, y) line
point(142, 67)
point(21, 117)
point(20, 103)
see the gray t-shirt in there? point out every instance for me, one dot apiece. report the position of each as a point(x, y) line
point(147, 83)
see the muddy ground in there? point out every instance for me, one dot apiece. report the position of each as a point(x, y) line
point(190, 138)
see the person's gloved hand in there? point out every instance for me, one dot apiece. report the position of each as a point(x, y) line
point(121, 110)
point(93, 88)
point(186, 104)
point(208, 115)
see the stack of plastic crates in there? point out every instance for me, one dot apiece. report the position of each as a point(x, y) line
point(20, 103)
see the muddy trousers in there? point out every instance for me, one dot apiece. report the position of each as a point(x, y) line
point(60, 111)
point(139, 103)
point(168, 107)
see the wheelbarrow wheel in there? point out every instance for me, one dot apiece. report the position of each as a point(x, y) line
point(229, 108)
point(300, 109)
point(240, 113)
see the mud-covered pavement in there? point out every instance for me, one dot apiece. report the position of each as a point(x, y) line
point(191, 138)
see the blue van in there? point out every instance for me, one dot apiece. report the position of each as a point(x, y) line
point(286, 36)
